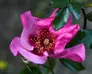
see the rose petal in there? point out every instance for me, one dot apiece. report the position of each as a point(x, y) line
point(14, 46)
point(25, 41)
point(53, 14)
point(28, 20)
point(70, 19)
point(32, 57)
point(64, 38)
point(76, 53)
point(44, 22)
point(47, 21)
point(69, 29)
point(29, 27)
point(61, 42)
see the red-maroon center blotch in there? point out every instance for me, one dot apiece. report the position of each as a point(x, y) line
point(43, 41)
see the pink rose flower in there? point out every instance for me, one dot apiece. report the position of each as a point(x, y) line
point(39, 40)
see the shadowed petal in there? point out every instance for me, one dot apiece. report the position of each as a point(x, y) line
point(14, 46)
point(70, 19)
point(32, 57)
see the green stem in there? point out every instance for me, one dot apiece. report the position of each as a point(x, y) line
point(28, 68)
point(26, 64)
point(85, 18)
point(50, 66)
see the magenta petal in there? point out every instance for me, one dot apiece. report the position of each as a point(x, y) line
point(29, 22)
point(61, 42)
point(63, 38)
point(27, 19)
point(73, 29)
point(32, 57)
point(76, 53)
point(44, 22)
point(24, 40)
point(70, 19)
point(14, 46)
point(29, 27)
point(53, 14)
point(68, 28)
point(47, 21)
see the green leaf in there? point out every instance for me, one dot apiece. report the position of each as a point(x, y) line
point(53, 63)
point(73, 5)
point(33, 70)
point(61, 18)
point(89, 16)
point(83, 36)
point(76, 21)
point(75, 9)
point(74, 66)
point(59, 3)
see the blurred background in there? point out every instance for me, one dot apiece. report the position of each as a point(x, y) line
point(10, 26)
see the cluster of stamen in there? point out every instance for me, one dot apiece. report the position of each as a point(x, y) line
point(43, 41)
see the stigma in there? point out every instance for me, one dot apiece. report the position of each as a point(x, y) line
point(46, 41)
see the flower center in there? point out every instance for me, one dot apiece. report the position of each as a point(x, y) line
point(46, 41)
point(43, 41)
